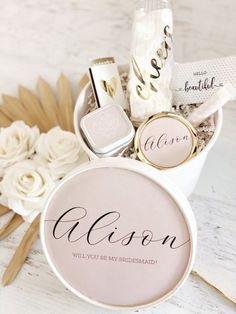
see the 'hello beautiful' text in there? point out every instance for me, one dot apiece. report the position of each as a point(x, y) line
point(202, 85)
point(105, 229)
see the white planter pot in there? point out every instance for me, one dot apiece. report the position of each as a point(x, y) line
point(184, 176)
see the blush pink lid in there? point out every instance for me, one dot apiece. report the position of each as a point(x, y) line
point(116, 237)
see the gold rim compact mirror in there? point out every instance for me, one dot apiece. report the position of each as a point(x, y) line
point(165, 140)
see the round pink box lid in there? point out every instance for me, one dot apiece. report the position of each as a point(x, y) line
point(119, 234)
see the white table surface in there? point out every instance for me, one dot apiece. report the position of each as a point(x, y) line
point(48, 37)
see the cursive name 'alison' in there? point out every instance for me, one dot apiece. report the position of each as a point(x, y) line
point(159, 142)
point(105, 229)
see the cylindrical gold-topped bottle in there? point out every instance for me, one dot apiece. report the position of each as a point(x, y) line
point(151, 59)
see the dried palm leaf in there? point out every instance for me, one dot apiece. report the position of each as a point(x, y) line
point(34, 108)
point(4, 210)
point(48, 101)
point(11, 225)
point(14, 109)
point(65, 101)
point(4, 120)
point(21, 253)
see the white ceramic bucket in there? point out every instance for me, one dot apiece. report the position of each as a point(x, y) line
point(184, 176)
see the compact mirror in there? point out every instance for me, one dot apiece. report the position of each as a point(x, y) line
point(165, 140)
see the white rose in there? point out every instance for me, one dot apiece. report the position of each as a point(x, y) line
point(17, 142)
point(60, 151)
point(25, 188)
